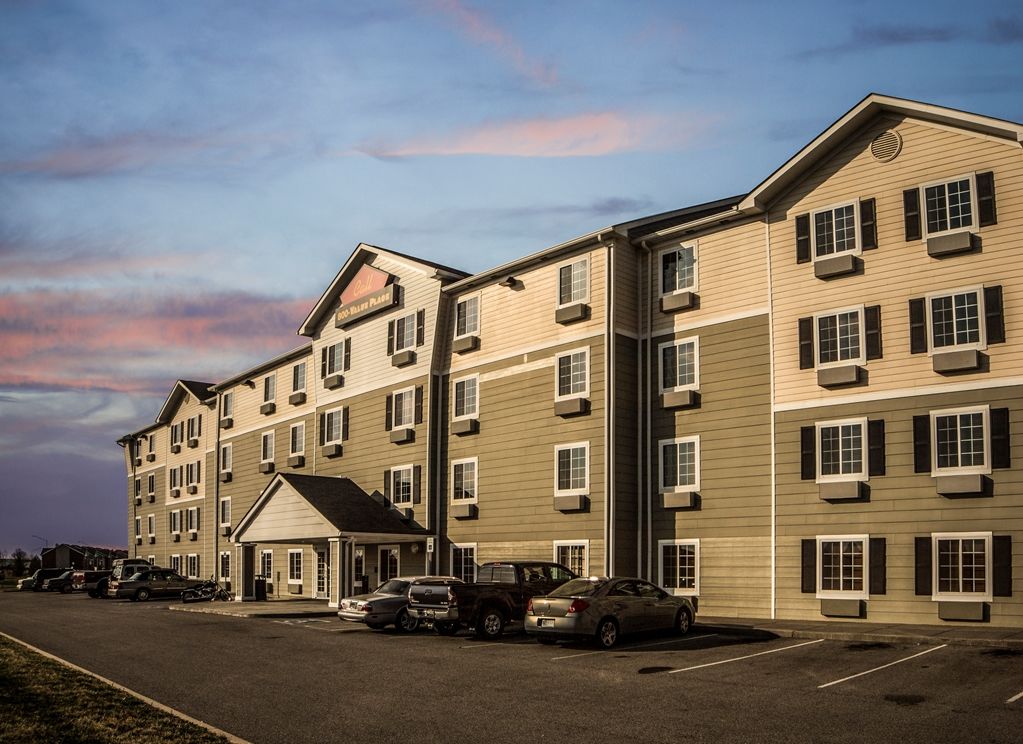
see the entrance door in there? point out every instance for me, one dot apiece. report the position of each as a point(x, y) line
point(322, 575)
point(389, 562)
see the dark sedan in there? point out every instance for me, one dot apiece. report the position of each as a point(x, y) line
point(604, 609)
point(62, 583)
point(156, 582)
point(388, 605)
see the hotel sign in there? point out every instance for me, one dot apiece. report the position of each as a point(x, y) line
point(366, 294)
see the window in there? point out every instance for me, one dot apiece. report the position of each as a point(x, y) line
point(401, 485)
point(680, 464)
point(463, 481)
point(405, 332)
point(227, 406)
point(680, 365)
point(841, 446)
point(195, 427)
point(138, 527)
point(151, 559)
point(297, 438)
point(175, 564)
point(359, 564)
point(225, 565)
point(463, 562)
point(192, 519)
point(266, 564)
point(177, 433)
point(267, 449)
point(294, 566)
point(573, 282)
point(193, 566)
point(573, 471)
point(332, 429)
point(949, 205)
point(573, 555)
point(225, 512)
point(959, 438)
point(961, 566)
point(956, 320)
point(467, 317)
point(839, 337)
point(192, 473)
point(151, 444)
point(678, 269)
point(573, 374)
point(175, 522)
point(680, 566)
point(834, 231)
point(336, 357)
point(466, 397)
point(151, 484)
point(298, 378)
point(225, 458)
point(269, 388)
point(403, 412)
point(138, 488)
point(842, 567)
point(175, 477)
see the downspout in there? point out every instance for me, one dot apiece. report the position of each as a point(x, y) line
point(216, 495)
point(609, 404)
point(649, 404)
point(774, 488)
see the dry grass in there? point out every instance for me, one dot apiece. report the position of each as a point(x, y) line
point(44, 701)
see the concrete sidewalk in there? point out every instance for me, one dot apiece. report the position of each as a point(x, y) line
point(283, 608)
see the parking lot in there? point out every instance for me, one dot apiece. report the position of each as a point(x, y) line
point(311, 679)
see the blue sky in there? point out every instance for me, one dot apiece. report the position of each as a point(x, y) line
point(179, 181)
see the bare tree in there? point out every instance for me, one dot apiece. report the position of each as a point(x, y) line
point(19, 556)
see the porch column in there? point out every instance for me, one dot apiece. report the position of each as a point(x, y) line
point(245, 560)
point(334, 551)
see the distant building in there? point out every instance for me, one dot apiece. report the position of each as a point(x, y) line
point(80, 556)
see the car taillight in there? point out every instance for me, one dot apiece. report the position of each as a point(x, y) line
point(577, 606)
point(529, 606)
point(451, 597)
point(367, 607)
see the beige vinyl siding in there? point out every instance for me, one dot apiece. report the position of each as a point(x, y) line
point(625, 287)
point(902, 505)
point(928, 154)
point(523, 550)
point(247, 400)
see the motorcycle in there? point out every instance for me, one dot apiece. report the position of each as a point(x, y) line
point(207, 591)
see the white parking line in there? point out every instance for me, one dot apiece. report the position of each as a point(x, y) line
point(750, 656)
point(877, 669)
point(1014, 698)
point(638, 645)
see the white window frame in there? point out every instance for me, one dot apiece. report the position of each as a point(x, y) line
point(339, 413)
point(193, 473)
point(474, 331)
point(451, 558)
point(411, 484)
point(695, 385)
point(151, 559)
point(138, 487)
point(454, 399)
point(151, 484)
point(863, 593)
point(262, 446)
point(225, 502)
point(305, 375)
point(864, 473)
point(270, 387)
point(151, 525)
point(227, 405)
point(263, 564)
point(177, 432)
point(301, 439)
point(584, 544)
point(585, 392)
point(980, 344)
point(220, 565)
point(411, 393)
point(399, 338)
point(193, 571)
point(192, 519)
point(988, 594)
point(974, 216)
point(226, 463)
point(572, 491)
point(138, 527)
point(861, 358)
point(557, 282)
point(679, 592)
point(301, 568)
point(660, 465)
point(175, 563)
point(695, 287)
point(175, 522)
point(151, 444)
point(985, 468)
point(856, 250)
point(475, 480)
point(336, 358)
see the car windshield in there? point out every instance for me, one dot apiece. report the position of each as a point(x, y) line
point(394, 586)
point(578, 588)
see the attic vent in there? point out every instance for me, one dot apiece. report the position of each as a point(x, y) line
point(886, 146)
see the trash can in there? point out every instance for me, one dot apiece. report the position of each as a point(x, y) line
point(260, 588)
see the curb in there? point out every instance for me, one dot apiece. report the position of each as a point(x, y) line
point(752, 631)
point(236, 613)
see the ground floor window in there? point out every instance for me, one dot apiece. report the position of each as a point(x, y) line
point(151, 559)
point(680, 566)
point(962, 565)
point(294, 566)
point(193, 566)
point(463, 562)
point(225, 565)
point(175, 563)
point(573, 556)
point(266, 564)
point(842, 562)
point(390, 562)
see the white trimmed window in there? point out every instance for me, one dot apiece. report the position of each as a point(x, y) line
point(227, 405)
point(225, 512)
point(269, 388)
point(332, 426)
point(295, 566)
point(266, 451)
point(297, 438)
point(949, 205)
point(572, 469)
point(405, 332)
point(463, 480)
point(226, 452)
point(956, 320)
point(337, 360)
point(138, 488)
point(266, 564)
point(177, 432)
point(298, 378)
point(195, 427)
point(463, 562)
point(175, 564)
point(960, 437)
point(680, 464)
point(962, 566)
point(193, 566)
point(151, 525)
point(679, 269)
point(192, 473)
point(175, 477)
point(574, 555)
point(679, 566)
point(466, 397)
point(680, 364)
point(834, 230)
point(842, 450)
point(574, 282)
point(192, 519)
point(467, 317)
point(839, 336)
point(842, 567)
point(175, 522)
point(401, 485)
point(225, 565)
point(359, 563)
point(573, 370)
point(404, 407)
point(151, 444)
point(151, 484)
point(151, 559)
point(138, 528)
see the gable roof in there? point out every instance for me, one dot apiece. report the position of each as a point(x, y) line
point(198, 390)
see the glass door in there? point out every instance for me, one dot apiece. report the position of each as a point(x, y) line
point(322, 574)
point(389, 562)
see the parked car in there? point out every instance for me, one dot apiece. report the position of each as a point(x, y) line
point(498, 597)
point(388, 605)
point(605, 609)
point(152, 582)
point(60, 583)
point(88, 581)
point(122, 569)
point(35, 581)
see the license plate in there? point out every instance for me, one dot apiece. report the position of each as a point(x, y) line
point(545, 622)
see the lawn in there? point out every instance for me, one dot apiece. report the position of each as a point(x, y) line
point(44, 701)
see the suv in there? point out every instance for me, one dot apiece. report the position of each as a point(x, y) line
point(62, 583)
point(35, 581)
point(87, 581)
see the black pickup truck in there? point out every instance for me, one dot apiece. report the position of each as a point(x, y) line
point(499, 596)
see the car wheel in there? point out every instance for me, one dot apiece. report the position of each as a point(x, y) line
point(491, 623)
point(189, 595)
point(66, 589)
point(142, 595)
point(446, 629)
point(405, 622)
point(607, 633)
point(683, 622)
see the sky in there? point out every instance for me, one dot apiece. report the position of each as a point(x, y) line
point(180, 181)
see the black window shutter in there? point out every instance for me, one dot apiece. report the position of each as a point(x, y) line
point(348, 354)
point(1000, 451)
point(875, 447)
point(417, 496)
point(868, 225)
point(806, 343)
point(872, 334)
point(878, 566)
point(986, 199)
point(808, 452)
point(419, 404)
point(420, 327)
point(922, 563)
point(1001, 565)
point(994, 322)
point(323, 362)
point(344, 423)
point(802, 238)
point(917, 326)
point(922, 444)
point(808, 568)
point(387, 486)
point(911, 207)
point(390, 337)
point(389, 412)
point(323, 429)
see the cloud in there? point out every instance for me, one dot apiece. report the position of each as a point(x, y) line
point(1008, 30)
point(881, 36)
point(89, 264)
point(481, 30)
point(582, 135)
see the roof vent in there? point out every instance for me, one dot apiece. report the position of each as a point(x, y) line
point(886, 146)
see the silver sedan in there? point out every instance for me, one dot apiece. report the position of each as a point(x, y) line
point(388, 605)
point(605, 609)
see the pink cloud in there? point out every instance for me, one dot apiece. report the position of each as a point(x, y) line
point(89, 264)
